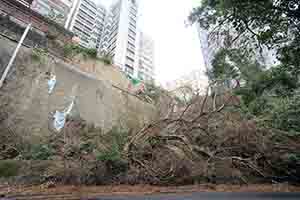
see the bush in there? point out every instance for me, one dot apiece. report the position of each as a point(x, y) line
point(72, 50)
point(92, 53)
point(69, 49)
point(106, 60)
point(37, 54)
point(113, 154)
point(294, 158)
point(285, 114)
point(40, 152)
point(117, 138)
point(9, 168)
point(153, 91)
point(87, 147)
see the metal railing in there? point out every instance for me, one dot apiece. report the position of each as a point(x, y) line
point(26, 3)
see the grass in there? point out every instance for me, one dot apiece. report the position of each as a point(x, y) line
point(9, 168)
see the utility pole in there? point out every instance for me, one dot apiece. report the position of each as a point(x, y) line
point(12, 59)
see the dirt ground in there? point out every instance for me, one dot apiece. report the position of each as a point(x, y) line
point(73, 192)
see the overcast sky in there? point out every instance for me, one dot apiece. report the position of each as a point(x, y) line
point(177, 47)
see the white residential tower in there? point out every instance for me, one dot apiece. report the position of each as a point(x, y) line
point(87, 23)
point(120, 38)
point(145, 70)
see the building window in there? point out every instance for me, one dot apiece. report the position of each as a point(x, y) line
point(89, 3)
point(85, 20)
point(113, 39)
point(130, 54)
point(132, 33)
point(131, 46)
point(130, 51)
point(83, 25)
point(132, 20)
point(133, 26)
point(91, 11)
point(128, 69)
point(130, 59)
point(86, 14)
point(113, 49)
point(81, 32)
point(131, 37)
point(132, 14)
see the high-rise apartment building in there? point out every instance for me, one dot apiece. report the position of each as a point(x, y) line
point(88, 23)
point(145, 66)
point(120, 37)
point(56, 10)
point(111, 31)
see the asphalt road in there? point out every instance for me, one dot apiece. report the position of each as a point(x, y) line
point(211, 196)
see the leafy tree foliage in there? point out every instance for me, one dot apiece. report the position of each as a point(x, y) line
point(269, 93)
point(257, 23)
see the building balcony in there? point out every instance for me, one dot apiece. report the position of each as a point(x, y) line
point(83, 26)
point(81, 10)
point(84, 22)
point(131, 48)
point(131, 40)
point(129, 62)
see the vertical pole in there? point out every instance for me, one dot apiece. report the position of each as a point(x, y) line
point(12, 59)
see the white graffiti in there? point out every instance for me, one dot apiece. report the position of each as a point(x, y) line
point(51, 83)
point(61, 116)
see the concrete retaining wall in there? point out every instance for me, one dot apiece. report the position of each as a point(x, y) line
point(25, 104)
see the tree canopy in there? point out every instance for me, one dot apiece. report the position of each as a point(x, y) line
point(269, 93)
point(274, 24)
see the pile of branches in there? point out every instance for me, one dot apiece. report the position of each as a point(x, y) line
point(209, 140)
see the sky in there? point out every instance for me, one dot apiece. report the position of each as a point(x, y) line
point(177, 47)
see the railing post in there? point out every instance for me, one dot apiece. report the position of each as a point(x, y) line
point(12, 59)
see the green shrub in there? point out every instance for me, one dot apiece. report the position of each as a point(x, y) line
point(154, 92)
point(92, 53)
point(285, 114)
point(154, 141)
point(72, 50)
point(106, 60)
point(38, 54)
point(40, 152)
point(117, 138)
point(87, 147)
point(294, 158)
point(8, 168)
point(113, 154)
point(69, 49)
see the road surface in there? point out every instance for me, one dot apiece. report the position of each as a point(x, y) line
point(210, 196)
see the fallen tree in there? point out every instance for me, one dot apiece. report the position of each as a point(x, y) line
point(209, 140)
point(204, 139)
